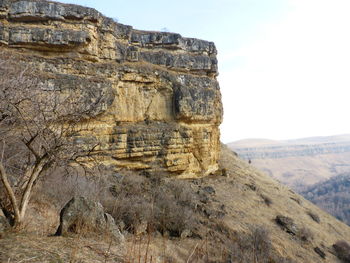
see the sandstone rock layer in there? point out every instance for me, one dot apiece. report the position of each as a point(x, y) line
point(155, 98)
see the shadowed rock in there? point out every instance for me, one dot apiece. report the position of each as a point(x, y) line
point(83, 216)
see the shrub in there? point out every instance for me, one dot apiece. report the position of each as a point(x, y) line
point(314, 216)
point(342, 250)
point(267, 200)
point(305, 234)
point(252, 247)
point(69, 184)
point(173, 211)
point(138, 202)
point(164, 205)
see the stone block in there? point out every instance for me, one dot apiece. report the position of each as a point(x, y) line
point(47, 37)
point(43, 11)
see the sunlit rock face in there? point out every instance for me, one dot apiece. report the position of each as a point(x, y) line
point(153, 98)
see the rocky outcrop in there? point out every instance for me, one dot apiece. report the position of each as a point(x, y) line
point(153, 98)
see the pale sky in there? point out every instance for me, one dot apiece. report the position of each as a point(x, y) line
point(284, 64)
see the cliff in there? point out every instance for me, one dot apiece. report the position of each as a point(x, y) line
point(153, 98)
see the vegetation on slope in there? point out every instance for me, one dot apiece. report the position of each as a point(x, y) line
point(237, 215)
point(317, 168)
point(332, 195)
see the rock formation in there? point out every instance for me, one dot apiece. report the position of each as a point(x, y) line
point(154, 96)
point(81, 215)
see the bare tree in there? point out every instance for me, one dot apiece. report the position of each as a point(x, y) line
point(38, 130)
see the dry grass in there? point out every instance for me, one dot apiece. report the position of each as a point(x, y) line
point(28, 248)
point(254, 246)
point(152, 203)
point(233, 220)
point(244, 205)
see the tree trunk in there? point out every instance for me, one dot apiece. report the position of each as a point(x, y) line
point(24, 181)
point(28, 189)
point(10, 194)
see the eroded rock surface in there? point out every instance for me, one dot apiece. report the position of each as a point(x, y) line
point(153, 98)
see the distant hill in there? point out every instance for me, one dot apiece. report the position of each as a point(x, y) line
point(298, 163)
point(332, 195)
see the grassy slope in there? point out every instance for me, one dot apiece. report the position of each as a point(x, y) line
point(247, 207)
point(240, 191)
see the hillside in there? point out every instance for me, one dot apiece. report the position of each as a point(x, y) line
point(236, 207)
point(332, 195)
point(298, 163)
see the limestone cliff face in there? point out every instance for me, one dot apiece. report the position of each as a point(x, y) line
point(154, 96)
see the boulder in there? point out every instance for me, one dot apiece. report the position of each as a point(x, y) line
point(83, 216)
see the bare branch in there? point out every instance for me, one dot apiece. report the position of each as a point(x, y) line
point(29, 142)
point(3, 151)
